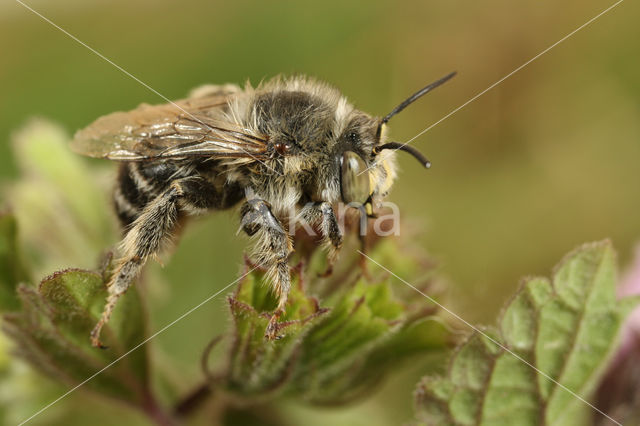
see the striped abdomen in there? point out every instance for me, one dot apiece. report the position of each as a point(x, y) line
point(137, 185)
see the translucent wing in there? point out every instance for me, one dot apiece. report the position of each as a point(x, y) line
point(186, 128)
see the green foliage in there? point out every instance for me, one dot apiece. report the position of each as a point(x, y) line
point(63, 212)
point(12, 268)
point(51, 331)
point(331, 351)
point(565, 328)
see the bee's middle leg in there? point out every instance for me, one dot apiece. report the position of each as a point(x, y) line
point(322, 214)
point(273, 250)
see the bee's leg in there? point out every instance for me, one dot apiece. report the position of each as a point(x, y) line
point(273, 250)
point(144, 239)
point(322, 214)
point(191, 195)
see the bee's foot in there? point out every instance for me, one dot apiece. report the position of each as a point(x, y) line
point(96, 343)
point(95, 337)
point(271, 332)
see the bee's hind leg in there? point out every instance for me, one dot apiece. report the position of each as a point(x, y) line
point(273, 250)
point(143, 240)
point(190, 195)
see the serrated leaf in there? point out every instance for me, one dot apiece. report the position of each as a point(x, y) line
point(565, 328)
point(331, 351)
point(51, 331)
point(258, 366)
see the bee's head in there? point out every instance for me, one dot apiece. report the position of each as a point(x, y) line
point(320, 142)
point(366, 170)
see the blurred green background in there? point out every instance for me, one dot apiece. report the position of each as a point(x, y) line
point(543, 162)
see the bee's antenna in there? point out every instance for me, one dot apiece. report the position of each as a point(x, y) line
point(411, 99)
point(406, 148)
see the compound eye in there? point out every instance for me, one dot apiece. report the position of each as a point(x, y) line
point(354, 178)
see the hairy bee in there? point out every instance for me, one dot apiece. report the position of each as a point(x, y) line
point(291, 144)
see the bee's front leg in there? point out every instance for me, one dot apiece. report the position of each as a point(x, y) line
point(322, 214)
point(272, 250)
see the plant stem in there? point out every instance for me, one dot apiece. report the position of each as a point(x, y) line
point(192, 401)
point(156, 413)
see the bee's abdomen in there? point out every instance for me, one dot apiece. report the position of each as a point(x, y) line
point(137, 185)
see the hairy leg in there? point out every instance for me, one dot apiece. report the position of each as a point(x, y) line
point(147, 233)
point(272, 250)
point(322, 214)
point(142, 240)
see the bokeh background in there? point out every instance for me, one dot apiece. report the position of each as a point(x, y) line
point(543, 162)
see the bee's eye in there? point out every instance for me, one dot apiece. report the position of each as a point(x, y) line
point(282, 148)
point(354, 137)
point(354, 178)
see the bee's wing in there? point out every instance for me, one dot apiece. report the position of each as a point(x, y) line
point(191, 127)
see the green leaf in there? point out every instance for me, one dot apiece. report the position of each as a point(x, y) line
point(258, 366)
point(12, 269)
point(64, 217)
point(51, 331)
point(566, 329)
point(332, 351)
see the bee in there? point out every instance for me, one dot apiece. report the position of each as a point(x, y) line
point(288, 145)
